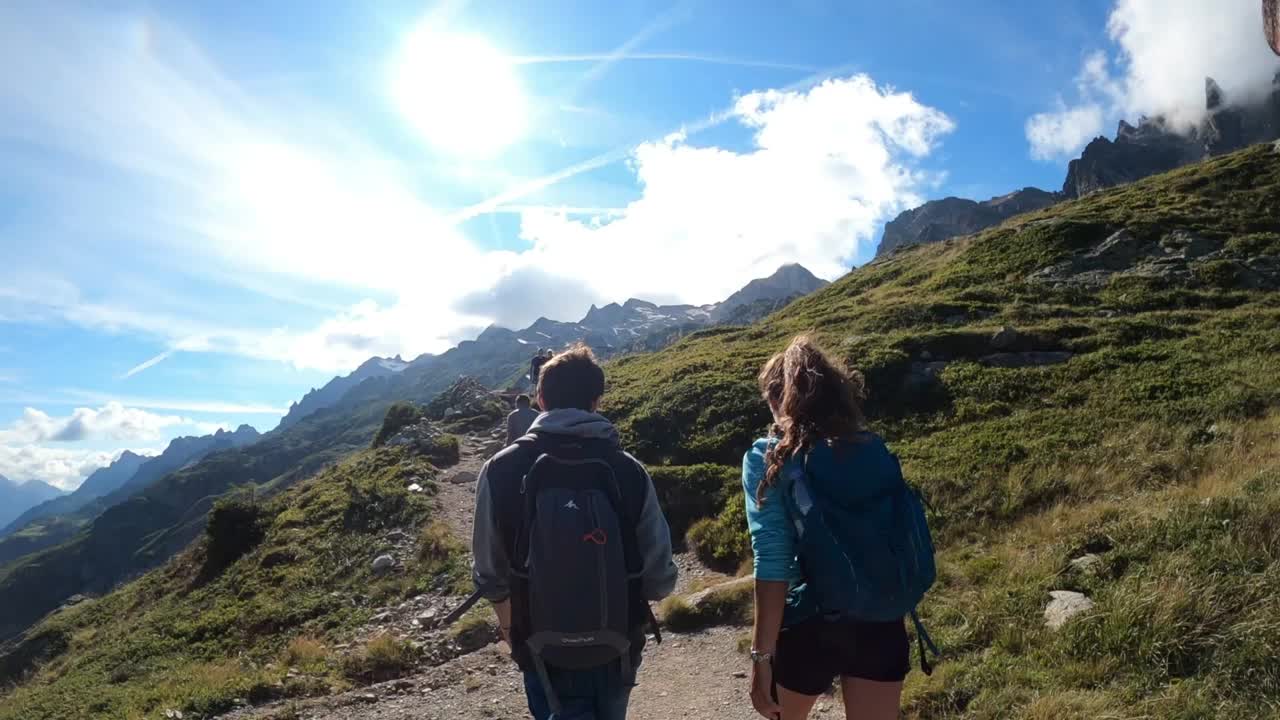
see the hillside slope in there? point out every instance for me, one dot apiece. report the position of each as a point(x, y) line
point(1097, 378)
point(145, 529)
point(1086, 395)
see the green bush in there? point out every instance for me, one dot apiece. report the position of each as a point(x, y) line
point(399, 416)
point(688, 493)
point(722, 542)
point(236, 526)
point(383, 658)
point(444, 451)
point(729, 606)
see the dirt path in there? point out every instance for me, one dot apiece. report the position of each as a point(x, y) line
point(688, 676)
point(456, 501)
point(701, 675)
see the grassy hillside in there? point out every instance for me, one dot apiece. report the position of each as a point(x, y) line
point(1141, 428)
point(251, 611)
point(147, 529)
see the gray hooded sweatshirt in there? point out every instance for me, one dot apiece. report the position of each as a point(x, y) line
point(504, 472)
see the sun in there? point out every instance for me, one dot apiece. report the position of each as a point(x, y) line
point(457, 91)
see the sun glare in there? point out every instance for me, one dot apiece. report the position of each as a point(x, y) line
point(458, 92)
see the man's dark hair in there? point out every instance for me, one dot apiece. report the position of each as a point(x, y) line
point(522, 401)
point(571, 379)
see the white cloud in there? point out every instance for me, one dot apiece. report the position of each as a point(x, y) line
point(178, 404)
point(826, 166)
point(1168, 47)
point(1063, 133)
point(1163, 50)
point(64, 468)
point(279, 193)
point(113, 420)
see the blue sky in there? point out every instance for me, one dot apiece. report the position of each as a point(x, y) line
point(208, 208)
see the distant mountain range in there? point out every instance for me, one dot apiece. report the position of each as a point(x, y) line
point(499, 356)
point(162, 508)
point(102, 482)
point(334, 389)
point(54, 520)
point(16, 498)
point(1152, 147)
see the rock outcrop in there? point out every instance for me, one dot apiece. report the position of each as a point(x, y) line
point(938, 220)
point(1152, 146)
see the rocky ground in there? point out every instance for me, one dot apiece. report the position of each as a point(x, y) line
point(698, 675)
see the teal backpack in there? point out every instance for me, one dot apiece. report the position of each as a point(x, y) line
point(867, 557)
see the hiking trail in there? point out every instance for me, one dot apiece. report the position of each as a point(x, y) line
point(695, 675)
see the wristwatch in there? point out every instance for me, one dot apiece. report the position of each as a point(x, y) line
point(761, 657)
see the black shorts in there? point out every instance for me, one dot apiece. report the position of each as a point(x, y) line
point(814, 653)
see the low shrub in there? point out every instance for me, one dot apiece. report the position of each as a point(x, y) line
point(306, 654)
point(236, 526)
point(690, 492)
point(399, 416)
point(722, 542)
point(731, 605)
point(444, 451)
point(383, 658)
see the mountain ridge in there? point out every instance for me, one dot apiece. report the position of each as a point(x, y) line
point(500, 355)
point(16, 498)
point(45, 526)
point(1151, 147)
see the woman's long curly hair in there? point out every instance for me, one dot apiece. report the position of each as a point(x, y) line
point(814, 399)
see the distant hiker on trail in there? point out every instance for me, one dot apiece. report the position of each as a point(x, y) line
point(535, 365)
point(571, 547)
point(842, 551)
point(520, 419)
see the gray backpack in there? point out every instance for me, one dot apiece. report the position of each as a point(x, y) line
point(572, 555)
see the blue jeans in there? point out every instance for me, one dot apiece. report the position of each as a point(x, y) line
point(596, 694)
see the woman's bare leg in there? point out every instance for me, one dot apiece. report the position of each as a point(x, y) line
point(870, 700)
point(794, 705)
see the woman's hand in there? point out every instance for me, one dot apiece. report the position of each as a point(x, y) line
point(762, 691)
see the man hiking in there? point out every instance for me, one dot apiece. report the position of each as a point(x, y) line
point(535, 365)
point(520, 419)
point(570, 547)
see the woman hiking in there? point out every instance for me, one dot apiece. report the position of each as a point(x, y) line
point(818, 466)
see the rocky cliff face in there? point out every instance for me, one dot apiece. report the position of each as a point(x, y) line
point(1151, 147)
point(938, 220)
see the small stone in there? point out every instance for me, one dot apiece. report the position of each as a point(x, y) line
point(740, 674)
point(383, 563)
point(462, 477)
point(1086, 563)
point(367, 698)
point(415, 488)
point(1065, 605)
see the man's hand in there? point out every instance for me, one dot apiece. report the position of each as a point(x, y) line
point(762, 691)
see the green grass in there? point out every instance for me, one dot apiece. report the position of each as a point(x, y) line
point(209, 628)
point(1156, 446)
point(727, 606)
point(1157, 439)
